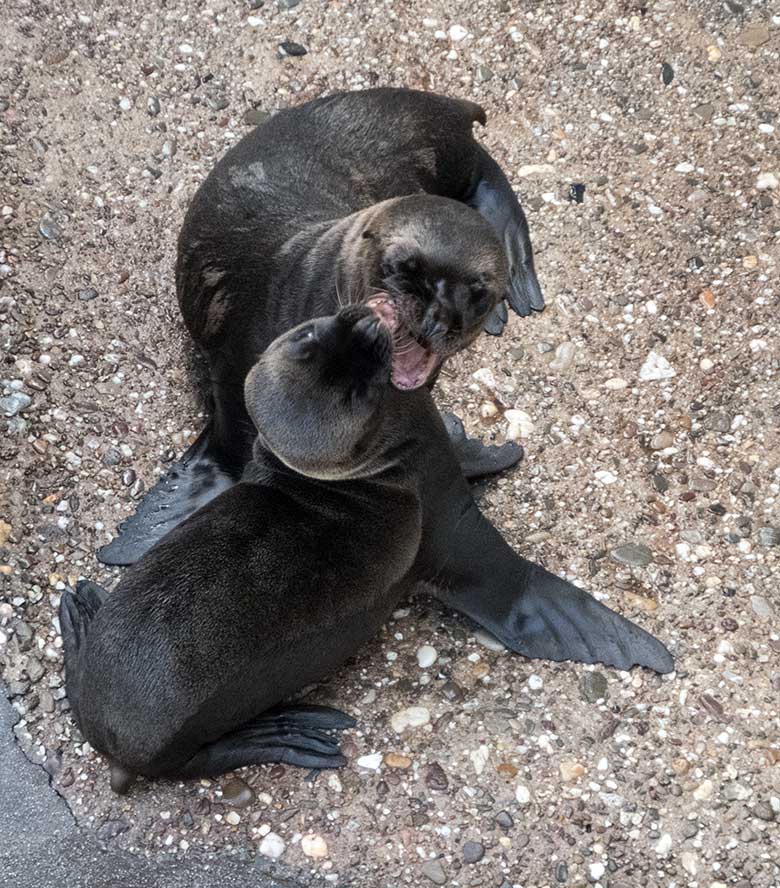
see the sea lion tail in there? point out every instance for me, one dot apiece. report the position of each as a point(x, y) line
point(292, 735)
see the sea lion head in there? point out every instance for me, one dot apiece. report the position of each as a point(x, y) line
point(444, 269)
point(317, 393)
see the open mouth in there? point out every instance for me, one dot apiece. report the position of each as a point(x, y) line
point(413, 362)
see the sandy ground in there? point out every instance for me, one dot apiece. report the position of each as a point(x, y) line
point(528, 773)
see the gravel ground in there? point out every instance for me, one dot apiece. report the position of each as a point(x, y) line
point(650, 416)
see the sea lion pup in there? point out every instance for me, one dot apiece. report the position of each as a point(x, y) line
point(270, 586)
point(377, 190)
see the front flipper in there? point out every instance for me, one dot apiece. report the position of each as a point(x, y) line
point(475, 571)
point(297, 735)
point(477, 459)
point(492, 196)
point(546, 618)
point(189, 483)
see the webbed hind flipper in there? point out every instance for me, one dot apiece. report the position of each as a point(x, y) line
point(189, 484)
point(493, 198)
point(477, 459)
point(296, 735)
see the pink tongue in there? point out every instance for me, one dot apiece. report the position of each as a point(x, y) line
point(412, 364)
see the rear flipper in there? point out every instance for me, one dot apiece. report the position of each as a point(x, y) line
point(77, 610)
point(492, 196)
point(292, 735)
point(477, 459)
point(188, 484)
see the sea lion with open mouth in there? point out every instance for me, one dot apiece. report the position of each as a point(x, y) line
point(382, 190)
point(353, 495)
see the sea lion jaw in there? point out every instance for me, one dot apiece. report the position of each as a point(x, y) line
point(316, 394)
point(443, 268)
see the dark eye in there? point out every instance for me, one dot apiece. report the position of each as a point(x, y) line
point(302, 344)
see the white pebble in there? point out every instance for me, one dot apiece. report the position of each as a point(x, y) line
point(370, 762)
point(314, 846)
point(520, 424)
point(664, 845)
point(426, 656)
point(413, 717)
point(535, 683)
point(485, 376)
point(767, 182)
point(684, 168)
point(272, 846)
point(489, 641)
point(596, 871)
point(185, 49)
point(656, 367)
point(125, 104)
point(457, 33)
point(606, 477)
point(479, 758)
point(523, 795)
point(615, 384)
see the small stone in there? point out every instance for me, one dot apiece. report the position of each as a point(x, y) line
point(523, 795)
point(452, 691)
point(749, 262)
point(479, 758)
point(753, 36)
point(667, 73)
point(769, 536)
point(664, 845)
point(662, 440)
point(413, 717)
point(656, 367)
point(576, 192)
point(764, 811)
point(288, 4)
point(562, 873)
point(704, 111)
point(88, 294)
point(690, 862)
point(713, 53)
point(473, 852)
point(761, 607)
point(272, 846)
point(681, 766)
point(126, 104)
point(520, 424)
point(370, 762)
point(435, 778)
point(596, 871)
point(605, 477)
point(15, 403)
point(632, 555)
point(767, 182)
point(314, 846)
point(5, 532)
point(504, 820)
point(535, 682)
point(593, 687)
point(237, 794)
point(615, 384)
point(433, 871)
point(484, 74)
point(233, 818)
point(426, 656)
point(703, 791)
point(110, 829)
point(488, 641)
point(153, 106)
point(564, 357)
point(49, 228)
point(571, 770)
point(288, 48)
point(399, 762)
point(458, 33)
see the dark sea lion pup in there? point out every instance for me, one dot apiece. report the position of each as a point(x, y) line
point(268, 588)
point(327, 202)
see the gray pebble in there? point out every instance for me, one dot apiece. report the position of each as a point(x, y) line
point(255, 116)
point(473, 852)
point(237, 794)
point(593, 686)
point(504, 820)
point(632, 555)
point(719, 422)
point(484, 74)
point(88, 294)
point(562, 873)
point(761, 606)
point(128, 477)
point(769, 536)
point(110, 829)
point(763, 811)
point(288, 4)
point(49, 228)
point(153, 106)
point(434, 872)
point(15, 403)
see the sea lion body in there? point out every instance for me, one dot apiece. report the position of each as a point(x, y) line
point(265, 590)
